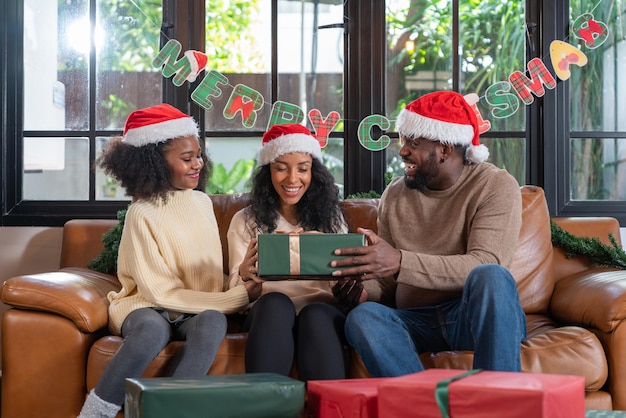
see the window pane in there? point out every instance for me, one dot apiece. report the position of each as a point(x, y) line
point(492, 43)
point(597, 97)
point(66, 179)
point(310, 60)
point(106, 188)
point(127, 40)
point(56, 51)
point(238, 45)
point(309, 76)
point(597, 104)
point(419, 50)
point(598, 167)
point(234, 160)
point(508, 153)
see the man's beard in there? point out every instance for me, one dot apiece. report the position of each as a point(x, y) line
point(424, 174)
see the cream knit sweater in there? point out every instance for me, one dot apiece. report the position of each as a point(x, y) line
point(170, 256)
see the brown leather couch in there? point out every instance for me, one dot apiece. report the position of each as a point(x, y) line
point(55, 342)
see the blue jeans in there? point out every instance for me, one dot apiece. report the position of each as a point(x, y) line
point(488, 319)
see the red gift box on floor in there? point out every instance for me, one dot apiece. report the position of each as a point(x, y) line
point(484, 394)
point(348, 398)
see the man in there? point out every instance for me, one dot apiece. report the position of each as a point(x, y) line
point(446, 233)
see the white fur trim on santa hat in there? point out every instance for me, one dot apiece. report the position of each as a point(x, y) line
point(161, 132)
point(287, 144)
point(414, 125)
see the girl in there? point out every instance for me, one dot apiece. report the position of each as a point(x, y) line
point(170, 256)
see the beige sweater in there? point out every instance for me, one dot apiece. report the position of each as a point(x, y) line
point(444, 234)
point(170, 256)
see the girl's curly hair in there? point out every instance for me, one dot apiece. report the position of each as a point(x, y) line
point(318, 209)
point(143, 171)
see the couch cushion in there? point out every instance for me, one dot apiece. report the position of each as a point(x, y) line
point(228, 360)
point(532, 261)
point(548, 349)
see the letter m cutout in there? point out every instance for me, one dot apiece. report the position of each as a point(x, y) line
point(168, 60)
point(524, 86)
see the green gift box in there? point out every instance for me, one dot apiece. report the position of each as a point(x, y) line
point(302, 254)
point(262, 395)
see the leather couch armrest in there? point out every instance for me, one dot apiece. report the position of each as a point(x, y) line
point(595, 298)
point(78, 294)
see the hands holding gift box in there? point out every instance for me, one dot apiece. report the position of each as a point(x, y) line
point(376, 260)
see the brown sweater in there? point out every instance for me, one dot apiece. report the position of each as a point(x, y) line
point(444, 234)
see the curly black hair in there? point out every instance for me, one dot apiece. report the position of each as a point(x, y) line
point(318, 210)
point(143, 171)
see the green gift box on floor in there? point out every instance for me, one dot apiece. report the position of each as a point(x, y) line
point(253, 395)
point(304, 254)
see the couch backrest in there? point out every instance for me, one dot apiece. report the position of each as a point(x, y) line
point(532, 264)
point(225, 206)
point(532, 261)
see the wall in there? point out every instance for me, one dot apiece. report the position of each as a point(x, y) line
point(25, 250)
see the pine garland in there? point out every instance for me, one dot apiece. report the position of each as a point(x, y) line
point(106, 261)
point(599, 253)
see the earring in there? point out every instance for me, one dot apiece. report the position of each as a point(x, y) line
point(443, 160)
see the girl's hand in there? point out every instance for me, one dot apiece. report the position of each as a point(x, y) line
point(248, 269)
point(254, 289)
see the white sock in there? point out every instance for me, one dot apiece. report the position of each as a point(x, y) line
point(94, 407)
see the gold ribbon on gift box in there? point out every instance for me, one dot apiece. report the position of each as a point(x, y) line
point(294, 248)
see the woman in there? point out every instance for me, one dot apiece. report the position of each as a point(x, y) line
point(291, 190)
point(170, 256)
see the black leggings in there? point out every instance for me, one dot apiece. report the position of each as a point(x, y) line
point(273, 326)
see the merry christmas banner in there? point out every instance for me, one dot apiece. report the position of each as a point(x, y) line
point(503, 98)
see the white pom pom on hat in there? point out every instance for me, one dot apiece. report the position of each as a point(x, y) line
point(156, 124)
point(443, 116)
point(284, 139)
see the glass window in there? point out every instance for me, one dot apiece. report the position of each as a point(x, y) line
point(597, 146)
point(491, 45)
point(81, 79)
point(306, 74)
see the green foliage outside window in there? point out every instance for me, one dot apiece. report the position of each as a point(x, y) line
point(492, 46)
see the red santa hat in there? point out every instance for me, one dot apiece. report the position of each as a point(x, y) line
point(443, 116)
point(197, 61)
point(284, 139)
point(157, 124)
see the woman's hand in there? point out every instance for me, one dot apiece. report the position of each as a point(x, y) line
point(248, 269)
point(349, 292)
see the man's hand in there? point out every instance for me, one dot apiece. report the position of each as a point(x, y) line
point(375, 260)
point(349, 292)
